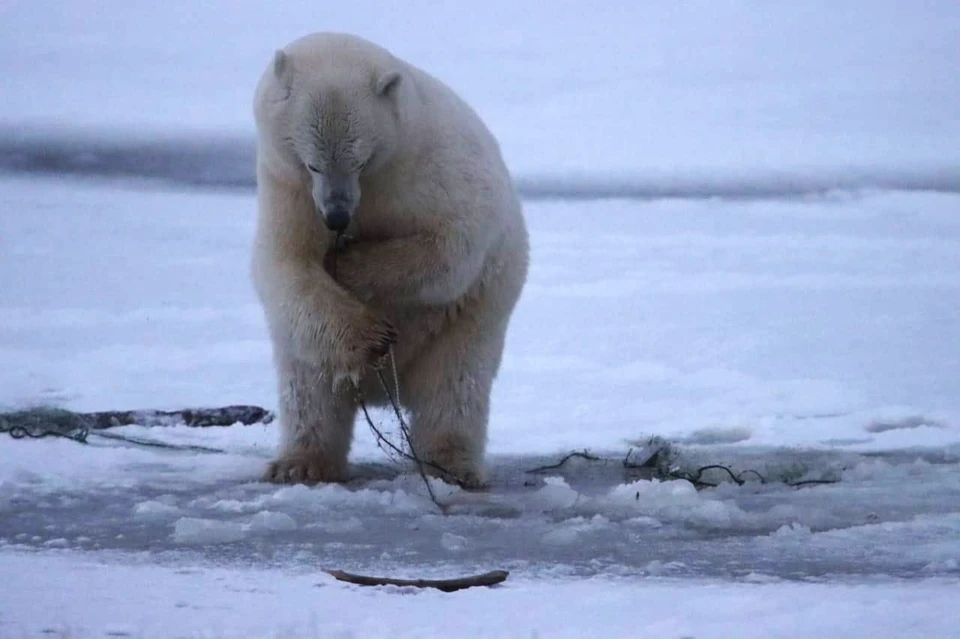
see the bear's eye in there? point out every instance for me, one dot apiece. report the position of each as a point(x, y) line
point(312, 168)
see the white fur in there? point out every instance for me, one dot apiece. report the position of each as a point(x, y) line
point(438, 252)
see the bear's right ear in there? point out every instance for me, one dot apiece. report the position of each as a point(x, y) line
point(388, 82)
point(283, 70)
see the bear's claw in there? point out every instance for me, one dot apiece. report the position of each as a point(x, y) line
point(303, 469)
point(384, 337)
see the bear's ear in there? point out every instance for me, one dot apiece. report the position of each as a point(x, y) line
point(388, 82)
point(283, 70)
point(281, 63)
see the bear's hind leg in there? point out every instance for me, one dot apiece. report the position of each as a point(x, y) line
point(448, 393)
point(317, 426)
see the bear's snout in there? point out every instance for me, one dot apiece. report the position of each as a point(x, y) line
point(336, 209)
point(336, 216)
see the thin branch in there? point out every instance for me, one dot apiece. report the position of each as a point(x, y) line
point(576, 454)
point(808, 482)
point(491, 578)
point(152, 443)
point(382, 440)
point(699, 472)
point(693, 477)
point(384, 443)
point(405, 433)
point(753, 472)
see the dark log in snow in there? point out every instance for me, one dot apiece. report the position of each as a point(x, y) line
point(60, 420)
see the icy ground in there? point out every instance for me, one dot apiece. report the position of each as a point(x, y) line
point(803, 338)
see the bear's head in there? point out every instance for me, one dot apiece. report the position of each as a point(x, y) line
point(328, 110)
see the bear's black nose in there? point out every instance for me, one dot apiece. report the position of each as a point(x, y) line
point(337, 218)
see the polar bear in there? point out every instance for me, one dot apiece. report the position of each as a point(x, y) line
point(356, 144)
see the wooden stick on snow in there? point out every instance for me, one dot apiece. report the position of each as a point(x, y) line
point(446, 585)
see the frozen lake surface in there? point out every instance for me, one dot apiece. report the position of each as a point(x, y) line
point(807, 339)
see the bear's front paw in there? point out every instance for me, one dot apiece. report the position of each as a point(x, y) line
point(304, 468)
point(373, 342)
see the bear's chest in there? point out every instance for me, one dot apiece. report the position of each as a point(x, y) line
point(376, 220)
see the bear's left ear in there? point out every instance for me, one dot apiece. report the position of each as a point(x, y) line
point(388, 82)
point(281, 63)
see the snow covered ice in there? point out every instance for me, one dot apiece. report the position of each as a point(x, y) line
point(746, 238)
